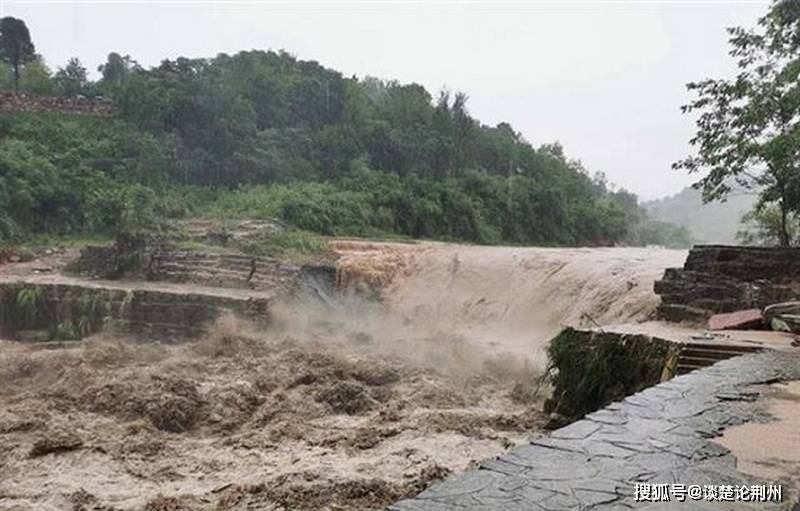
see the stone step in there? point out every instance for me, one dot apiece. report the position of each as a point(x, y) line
point(210, 266)
point(710, 354)
point(215, 272)
point(737, 348)
point(697, 361)
point(683, 369)
point(720, 279)
point(234, 282)
point(214, 257)
point(698, 355)
point(242, 268)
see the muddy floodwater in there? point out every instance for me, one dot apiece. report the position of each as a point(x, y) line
point(345, 409)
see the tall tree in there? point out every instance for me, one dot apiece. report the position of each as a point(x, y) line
point(16, 47)
point(117, 68)
point(72, 79)
point(36, 77)
point(748, 128)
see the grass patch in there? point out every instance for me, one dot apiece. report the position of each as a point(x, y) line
point(44, 244)
point(292, 245)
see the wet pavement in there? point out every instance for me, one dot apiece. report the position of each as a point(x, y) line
point(662, 435)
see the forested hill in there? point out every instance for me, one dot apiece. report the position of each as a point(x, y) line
point(715, 222)
point(264, 134)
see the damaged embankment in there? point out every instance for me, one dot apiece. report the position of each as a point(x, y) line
point(589, 369)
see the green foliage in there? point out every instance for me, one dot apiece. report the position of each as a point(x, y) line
point(72, 79)
point(747, 133)
point(122, 209)
point(26, 304)
point(292, 245)
point(69, 175)
point(653, 232)
point(78, 313)
point(35, 78)
point(117, 68)
point(67, 331)
point(764, 226)
point(709, 223)
point(81, 314)
point(265, 135)
point(22, 305)
point(591, 369)
point(16, 47)
point(475, 206)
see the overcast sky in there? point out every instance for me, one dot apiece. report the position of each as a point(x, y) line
point(606, 79)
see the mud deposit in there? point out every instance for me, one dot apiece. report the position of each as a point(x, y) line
point(335, 419)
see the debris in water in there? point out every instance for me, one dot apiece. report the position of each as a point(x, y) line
point(55, 443)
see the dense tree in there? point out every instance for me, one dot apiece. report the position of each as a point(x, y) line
point(263, 134)
point(36, 77)
point(117, 68)
point(72, 79)
point(748, 128)
point(16, 46)
point(766, 226)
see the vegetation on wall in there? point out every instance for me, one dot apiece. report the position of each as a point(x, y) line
point(75, 314)
point(588, 370)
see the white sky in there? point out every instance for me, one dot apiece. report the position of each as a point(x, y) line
point(605, 78)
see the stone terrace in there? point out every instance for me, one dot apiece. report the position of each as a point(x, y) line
point(718, 279)
point(660, 435)
point(156, 310)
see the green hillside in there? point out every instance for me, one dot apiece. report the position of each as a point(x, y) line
point(264, 134)
point(715, 222)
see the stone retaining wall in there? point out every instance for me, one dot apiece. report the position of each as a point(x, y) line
point(73, 311)
point(22, 103)
point(589, 369)
point(718, 279)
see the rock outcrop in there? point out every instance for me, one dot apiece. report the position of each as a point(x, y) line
point(718, 279)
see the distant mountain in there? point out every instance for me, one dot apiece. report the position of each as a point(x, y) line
point(716, 222)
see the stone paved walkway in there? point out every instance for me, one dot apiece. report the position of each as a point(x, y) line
point(660, 435)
